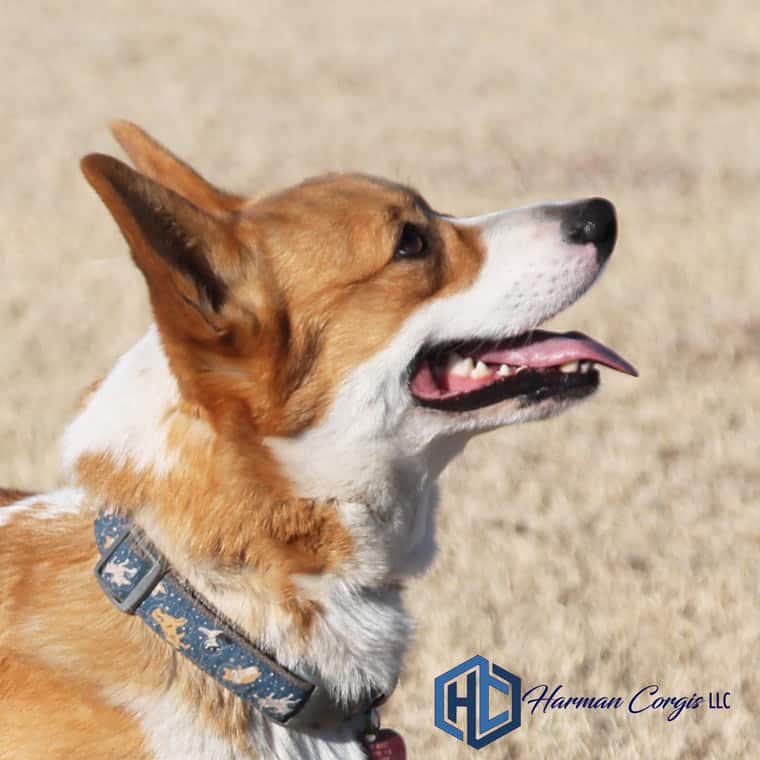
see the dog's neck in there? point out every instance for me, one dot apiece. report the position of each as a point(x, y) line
point(135, 437)
point(315, 580)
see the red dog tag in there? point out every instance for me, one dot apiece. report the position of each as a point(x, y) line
point(386, 745)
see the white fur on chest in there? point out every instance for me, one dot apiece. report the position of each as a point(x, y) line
point(175, 731)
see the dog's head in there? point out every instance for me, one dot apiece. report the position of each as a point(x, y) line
point(347, 309)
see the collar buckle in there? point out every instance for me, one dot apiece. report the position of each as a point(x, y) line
point(142, 589)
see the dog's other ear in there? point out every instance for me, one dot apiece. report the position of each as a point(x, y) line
point(189, 257)
point(153, 160)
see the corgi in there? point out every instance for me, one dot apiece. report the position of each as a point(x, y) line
point(253, 483)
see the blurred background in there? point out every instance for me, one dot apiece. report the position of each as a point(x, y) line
point(610, 548)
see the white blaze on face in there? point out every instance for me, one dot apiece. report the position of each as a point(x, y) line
point(529, 274)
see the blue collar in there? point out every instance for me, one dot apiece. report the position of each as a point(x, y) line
point(138, 579)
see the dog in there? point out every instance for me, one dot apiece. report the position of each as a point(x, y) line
point(261, 466)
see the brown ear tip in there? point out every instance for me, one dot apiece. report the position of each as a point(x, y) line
point(122, 128)
point(97, 167)
point(94, 164)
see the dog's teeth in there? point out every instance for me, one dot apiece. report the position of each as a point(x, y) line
point(458, 366)
point(481, 370)
point(521, 368)
point(504, 371)
point(586, 367)
point(569, 367)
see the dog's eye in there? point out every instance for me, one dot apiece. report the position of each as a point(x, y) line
point(411, 244)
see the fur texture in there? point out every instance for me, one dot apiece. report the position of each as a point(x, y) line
point(264, 435)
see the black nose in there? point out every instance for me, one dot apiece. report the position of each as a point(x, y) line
point(591, 221)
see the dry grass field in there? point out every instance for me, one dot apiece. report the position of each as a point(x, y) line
point(607, 549)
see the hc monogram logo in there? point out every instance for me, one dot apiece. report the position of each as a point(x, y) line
point(480, 727)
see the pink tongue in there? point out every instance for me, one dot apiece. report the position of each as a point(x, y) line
point(548, 349)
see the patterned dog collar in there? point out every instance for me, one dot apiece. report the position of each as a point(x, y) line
point(138, 579)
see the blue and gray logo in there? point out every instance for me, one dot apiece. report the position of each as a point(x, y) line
point(463, 702)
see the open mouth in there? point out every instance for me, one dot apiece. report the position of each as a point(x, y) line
point(533, 366)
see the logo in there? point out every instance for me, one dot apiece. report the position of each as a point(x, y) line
point(463, 702)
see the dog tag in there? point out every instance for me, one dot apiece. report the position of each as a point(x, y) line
point(385, 745)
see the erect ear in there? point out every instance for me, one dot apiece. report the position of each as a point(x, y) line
point(188, 256)
point(156, 162)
